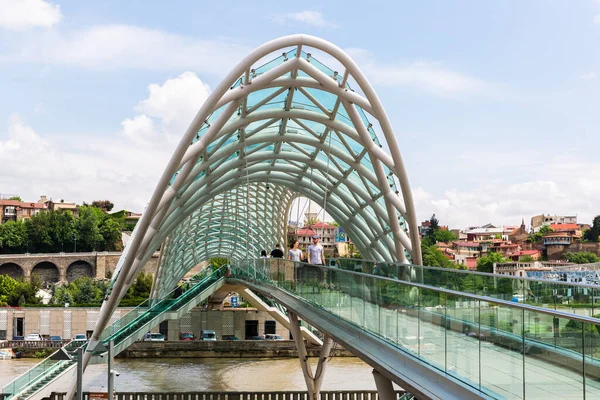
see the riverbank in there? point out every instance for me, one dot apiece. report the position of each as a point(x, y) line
point(223, 349)
point(210, 374)
point(202, 349)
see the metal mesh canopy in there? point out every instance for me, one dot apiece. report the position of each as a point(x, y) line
point(268, 134)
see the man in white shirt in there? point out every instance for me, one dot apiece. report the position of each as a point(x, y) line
point(316, 254)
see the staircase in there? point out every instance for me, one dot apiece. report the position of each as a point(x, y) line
point(123, 332)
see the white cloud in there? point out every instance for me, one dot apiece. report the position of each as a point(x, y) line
point(123, 166)
point(126, 46)
point(540, 185)
point(20, 15)
point(428, 76)
point(588, 76)
point(597, 19)
point(176, 102)
point(308, 17)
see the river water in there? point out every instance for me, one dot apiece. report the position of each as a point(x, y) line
point(199, 374)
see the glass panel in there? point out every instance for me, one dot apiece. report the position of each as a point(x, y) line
point(545, 379)
point(463, 338)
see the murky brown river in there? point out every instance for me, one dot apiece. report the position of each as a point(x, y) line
point(176, 374)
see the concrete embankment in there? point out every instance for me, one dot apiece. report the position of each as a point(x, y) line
point(223, 349)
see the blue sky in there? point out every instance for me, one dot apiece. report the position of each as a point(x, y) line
point(495, 105)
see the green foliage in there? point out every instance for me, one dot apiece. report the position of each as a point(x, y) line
point(17, 198)
point(433, 257)
point(583, 257)
point(43, 353)
point(17, 293)
point(110, 229)
point(218, 262)
point(13, 235)
point(140, 288)
point(89, 236)
point(486, 264)
point(82, 291)
point(576, 328)
point(591, 235)
point(537, 237)
point(434, 225)
point(443, 235)
point(57, 231)
point(104, 205)
point(526, 258)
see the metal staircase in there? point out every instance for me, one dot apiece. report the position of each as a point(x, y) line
point(123, 332)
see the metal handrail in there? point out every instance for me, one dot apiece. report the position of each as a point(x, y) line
point(560, 314)
point(462, 271)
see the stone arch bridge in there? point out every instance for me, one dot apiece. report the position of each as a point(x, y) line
point(62, 267)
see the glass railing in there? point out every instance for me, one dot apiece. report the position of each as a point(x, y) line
point(503, 349)
point(579, 298)
point(42, 370)
point(171, 302)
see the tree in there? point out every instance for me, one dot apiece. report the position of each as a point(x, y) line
point(142, 285)
point(537, 237)
point(583, 257)
point(110, 229)
point(433, 257)
point(433, 225)
point(526, 258)
point(591, 235)
point(39, 232)
point(104, 205)
point(13, 236)
point(88, 231)
point(486, 264)
point(444, 235)
point(65, 228)
point(17, 198)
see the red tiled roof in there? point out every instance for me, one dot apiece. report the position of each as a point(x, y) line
point(527, 253)
point(322, 225)
point(22, 204)
point(467, 244)
point(305, 232)
point(564, 227)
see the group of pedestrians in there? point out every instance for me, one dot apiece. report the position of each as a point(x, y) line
point(315, 254)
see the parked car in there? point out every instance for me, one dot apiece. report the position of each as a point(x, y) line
point(154, 337)
point(56, 338)
point(187, 336)
point(34, 336)
point(208, 335)
point(257, 338)
point(229, 337)
point(270, 336)
point(80, 337)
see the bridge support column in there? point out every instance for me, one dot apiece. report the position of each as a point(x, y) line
point(313, 382)
point(385, 389)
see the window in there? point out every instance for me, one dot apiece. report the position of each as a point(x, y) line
point(270, 327)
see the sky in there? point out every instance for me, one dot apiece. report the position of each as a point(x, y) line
point(495, 105)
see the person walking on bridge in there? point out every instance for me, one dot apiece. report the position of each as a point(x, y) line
point(294, 253)
point(316, 253)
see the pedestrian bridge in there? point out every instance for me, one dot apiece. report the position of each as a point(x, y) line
point(435, 342)
point(283, 126)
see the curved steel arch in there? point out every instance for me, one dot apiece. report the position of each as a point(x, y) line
point(267, 134)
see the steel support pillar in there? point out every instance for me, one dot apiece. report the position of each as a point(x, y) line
point(313, 382)
point(385, 389)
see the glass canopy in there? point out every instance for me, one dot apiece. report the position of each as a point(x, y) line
point(270, 133)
